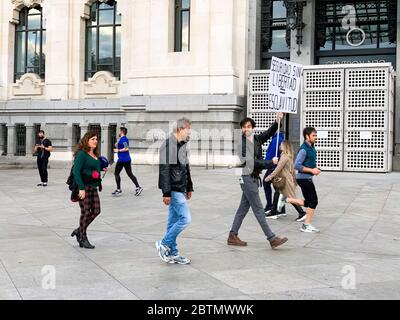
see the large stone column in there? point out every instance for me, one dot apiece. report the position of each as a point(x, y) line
point(30, 143)
point(306, 57)
point(105, 145)
point(11, 140)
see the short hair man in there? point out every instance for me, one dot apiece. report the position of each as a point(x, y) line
point(250, 154)
point(176, 184)
point(43, 149)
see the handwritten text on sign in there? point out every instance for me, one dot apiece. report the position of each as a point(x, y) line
point(284, 86)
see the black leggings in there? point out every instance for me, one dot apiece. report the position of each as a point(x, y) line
point(128, 169)
point(310, 194)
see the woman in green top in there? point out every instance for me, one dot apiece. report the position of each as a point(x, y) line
point(87, 176)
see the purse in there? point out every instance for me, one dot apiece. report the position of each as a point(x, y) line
point(279, 182)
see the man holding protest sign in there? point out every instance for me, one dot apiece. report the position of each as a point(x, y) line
point(250, 154)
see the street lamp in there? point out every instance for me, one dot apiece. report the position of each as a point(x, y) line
point(294, 19)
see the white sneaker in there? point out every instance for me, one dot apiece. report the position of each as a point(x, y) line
point(282, 201)
point(163, 251)
point(179, 260)
point(308, 228)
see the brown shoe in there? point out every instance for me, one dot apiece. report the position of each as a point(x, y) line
point(234, 240)
point(278, 241)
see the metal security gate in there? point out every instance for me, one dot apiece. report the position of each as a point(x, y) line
point(96, 128)
point(4, 136)
point(351, 106)
point(20, 130)
point(322, 108)
point(352, 109)
point(369, 100)
point(257, 100)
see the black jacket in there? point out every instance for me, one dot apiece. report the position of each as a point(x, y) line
point(174, 174)
point(251, 155)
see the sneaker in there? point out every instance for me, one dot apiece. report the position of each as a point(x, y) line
point(138, 191)
point(117, 192)
point(268, 209)
point(179, 260)
point(308, 228)
point(39, 185)
point(163, 251)
point(44, 184)
point(282, 201)
point(301, 217)
point(272, 215)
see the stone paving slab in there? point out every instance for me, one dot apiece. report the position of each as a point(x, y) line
point(358, 215)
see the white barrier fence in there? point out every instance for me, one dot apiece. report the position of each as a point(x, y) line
point(351, 106)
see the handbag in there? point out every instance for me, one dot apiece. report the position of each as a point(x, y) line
point(279, 182)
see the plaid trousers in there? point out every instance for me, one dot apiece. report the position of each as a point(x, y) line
point(90, 208)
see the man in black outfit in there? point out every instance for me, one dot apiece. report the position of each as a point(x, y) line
point(43, 149)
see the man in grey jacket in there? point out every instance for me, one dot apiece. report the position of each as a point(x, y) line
point(250, 154)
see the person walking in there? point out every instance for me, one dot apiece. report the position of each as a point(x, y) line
point(306, 165)
point(43, 149)
point(250, 155)
point(269, 155)
point(285, 170)
point(124, 162)
point(86, 172)
point(176, 185)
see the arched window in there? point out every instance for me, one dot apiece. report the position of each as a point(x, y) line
point(30, 39)
point(103, 39)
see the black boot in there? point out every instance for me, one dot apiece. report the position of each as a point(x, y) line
point(76, 233)
point(84, 243)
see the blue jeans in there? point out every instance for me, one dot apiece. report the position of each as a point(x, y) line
point(178, 219)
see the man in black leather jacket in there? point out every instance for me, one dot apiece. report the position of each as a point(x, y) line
point(176, 185)
point(253, 163)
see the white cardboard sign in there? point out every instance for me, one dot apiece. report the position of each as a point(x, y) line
point(284, 86)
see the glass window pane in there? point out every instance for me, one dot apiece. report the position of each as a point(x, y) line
point(91, 58)
point(105, 6)
point(106, 45)
point(93, 16)
point(106, 17)
point(43, 56)
point(118, 18)
point(384, 37)
point(22, 18)
point(33, 49)
point(279, 41)
point(117, 47)
point(20, 52)
point(185, 4)
point(278, 10)
point(185, 31)
point(34, 11)
point(34, 21)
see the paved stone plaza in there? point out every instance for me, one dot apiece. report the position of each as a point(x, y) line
point(359, 218)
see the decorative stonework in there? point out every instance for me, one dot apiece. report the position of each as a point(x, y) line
point(103, 82)
point(86, 9)
point(19, 4)
point(30, 84)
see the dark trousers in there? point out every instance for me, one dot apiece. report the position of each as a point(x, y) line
point(90, 208)
point(251, 199)
point(310, 194)
point(42, 167)
point(267, 188)
point(128, 169)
